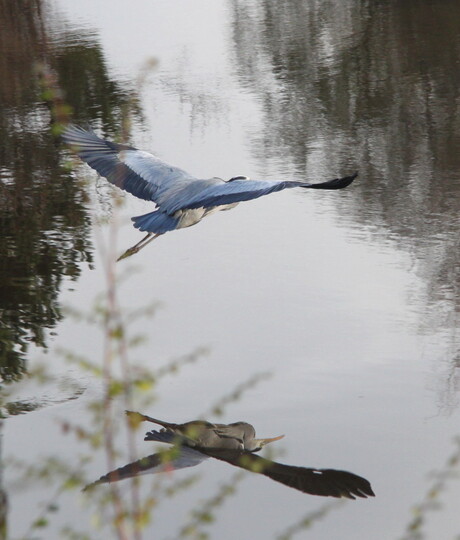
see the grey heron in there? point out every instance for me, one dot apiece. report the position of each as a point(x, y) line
point(182, 200)
point(235, 443)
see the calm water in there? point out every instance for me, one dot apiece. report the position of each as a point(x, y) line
point(350, 300)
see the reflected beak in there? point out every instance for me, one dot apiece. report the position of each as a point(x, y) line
point(273, 439)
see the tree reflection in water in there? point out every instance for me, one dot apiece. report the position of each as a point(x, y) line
point(376, 77)
point(44, 222)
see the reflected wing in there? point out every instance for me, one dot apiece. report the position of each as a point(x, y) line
point(324, 482)
point(244, 190)
point(137, 172)
point(181, 457)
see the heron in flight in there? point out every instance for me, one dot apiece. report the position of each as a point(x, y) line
point(196, 441)
point(181, 199)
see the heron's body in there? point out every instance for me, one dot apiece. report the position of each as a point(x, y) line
point(202, 434)
point(196, 441)
point(182, 200)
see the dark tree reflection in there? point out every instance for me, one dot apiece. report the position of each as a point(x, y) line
point(44, 222)
point(87, 87)
point(373, 86)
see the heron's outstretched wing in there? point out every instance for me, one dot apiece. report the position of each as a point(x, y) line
point(181, 457)
point(324, 482)
point(242, 190)
point(135, 171)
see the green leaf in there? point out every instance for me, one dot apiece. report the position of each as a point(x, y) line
point(41, 522)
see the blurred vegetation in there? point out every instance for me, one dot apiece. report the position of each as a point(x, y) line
point(117, 510)
point(433, 497)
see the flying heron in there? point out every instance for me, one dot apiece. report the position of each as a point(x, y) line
point(196, 441)
point(181, 199)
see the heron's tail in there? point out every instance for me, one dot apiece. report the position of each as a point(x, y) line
point(161, 436)
point(155, 222)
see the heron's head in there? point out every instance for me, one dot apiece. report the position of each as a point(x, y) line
point(257, 444)
point(239, 178)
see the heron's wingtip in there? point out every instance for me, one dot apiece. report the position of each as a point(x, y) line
point(340, 183)
point(337, 183)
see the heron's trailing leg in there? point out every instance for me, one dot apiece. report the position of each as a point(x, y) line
point(132, 250)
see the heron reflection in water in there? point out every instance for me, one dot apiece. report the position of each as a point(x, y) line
point(181, 199)
point(196, 441)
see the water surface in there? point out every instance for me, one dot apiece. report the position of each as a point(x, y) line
point(349, 299)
